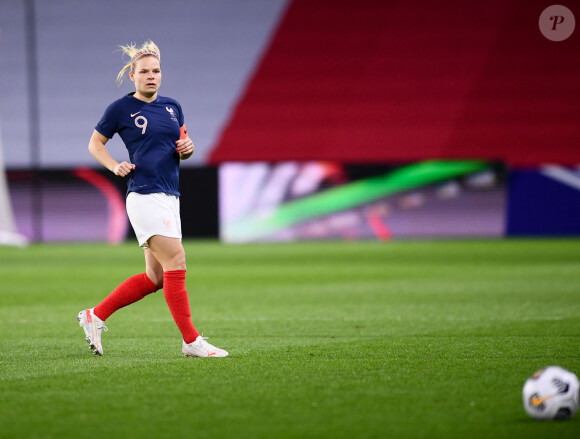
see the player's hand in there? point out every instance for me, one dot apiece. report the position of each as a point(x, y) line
point(122, 169)
point(185, 147)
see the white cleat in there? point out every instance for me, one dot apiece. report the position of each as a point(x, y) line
point(93, 326)
point(201, 348)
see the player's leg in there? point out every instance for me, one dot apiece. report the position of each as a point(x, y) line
point(130, 291)
point(136, 287)
point(170, 254)
point(153, 268)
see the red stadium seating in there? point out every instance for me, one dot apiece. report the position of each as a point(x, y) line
point(384, 81)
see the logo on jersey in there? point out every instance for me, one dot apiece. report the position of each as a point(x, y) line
point(172, 114)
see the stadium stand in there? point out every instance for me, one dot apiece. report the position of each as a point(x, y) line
point(394, 81)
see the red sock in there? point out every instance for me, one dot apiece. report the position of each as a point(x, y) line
point(178, 302)
point(130, 291)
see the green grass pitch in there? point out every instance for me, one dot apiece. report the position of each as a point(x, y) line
point(407, 339)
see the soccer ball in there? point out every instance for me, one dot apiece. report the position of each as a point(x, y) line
point(551, 393)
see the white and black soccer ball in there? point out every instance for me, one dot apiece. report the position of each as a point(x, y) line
point(551, 393)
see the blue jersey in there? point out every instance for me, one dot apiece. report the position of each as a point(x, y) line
point(149, 131)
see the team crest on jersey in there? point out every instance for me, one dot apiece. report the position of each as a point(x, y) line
point(172, 114)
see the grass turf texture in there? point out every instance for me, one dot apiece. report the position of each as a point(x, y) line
point(338, 340)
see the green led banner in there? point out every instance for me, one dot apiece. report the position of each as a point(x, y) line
point(281, 220)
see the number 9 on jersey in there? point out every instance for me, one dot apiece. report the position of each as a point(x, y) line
point(143, 125)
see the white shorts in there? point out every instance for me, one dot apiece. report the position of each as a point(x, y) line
point(154, 214)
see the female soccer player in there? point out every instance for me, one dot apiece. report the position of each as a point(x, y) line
point(153, 130)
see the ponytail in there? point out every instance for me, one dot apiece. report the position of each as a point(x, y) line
point(149, 48)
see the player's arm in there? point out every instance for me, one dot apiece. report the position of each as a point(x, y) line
point(100, 152)
point(185, 145)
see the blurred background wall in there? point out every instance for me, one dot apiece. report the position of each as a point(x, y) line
point(307, 81)
point(209, 52)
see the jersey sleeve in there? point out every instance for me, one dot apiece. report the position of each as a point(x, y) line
point(180, 118)
point(108, 125)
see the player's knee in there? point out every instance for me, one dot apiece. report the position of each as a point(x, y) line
point(178, 261)
point(169, 253)
point(156, 279)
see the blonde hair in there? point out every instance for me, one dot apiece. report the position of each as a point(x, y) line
point(148, 48)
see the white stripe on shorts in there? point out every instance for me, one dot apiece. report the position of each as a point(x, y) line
point(154, 214)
